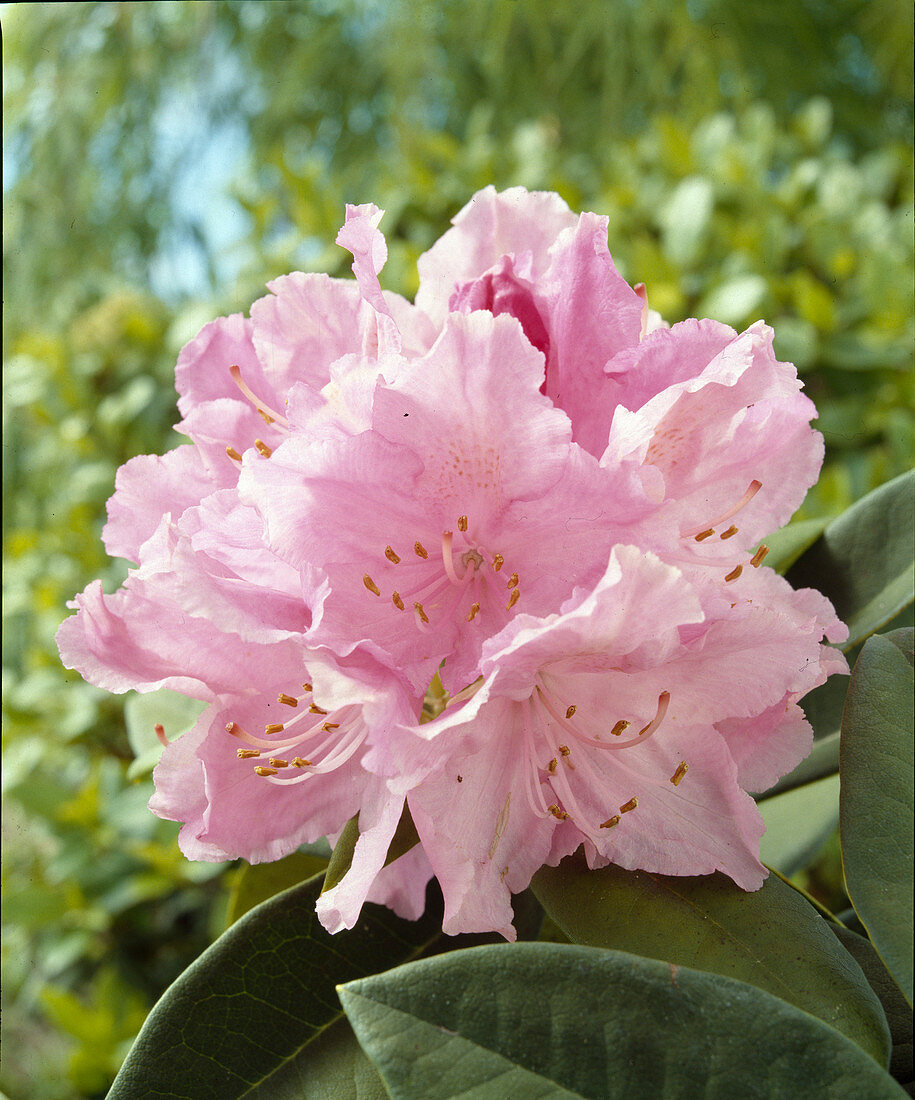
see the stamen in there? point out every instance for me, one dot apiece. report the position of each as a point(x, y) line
point(420, 550)
point(267, 418)
point(342, 749)
point(274, 727)
point(160, 733)
point(611, 822)
point(620, 727)
point(682, 769)
point(663, 701)
point(708, 528)
point(289, 700)
point(474, 611)
point(418, 608)
point(560, 815)
point(757, 559)
point(512, 581)
point(343, 752)
point(306, 687)
point(571, 711)
point(734, 574)
point(552, 766)
point(497, 562)
point(513, 598)
point(390, 554)
point(429, 587)
point(732, 530)
point(315, 709)
point(261, 743)
point(630, 805)
point(564, 750)
point(533, 786)
point(462, 523)
point(448, 557)
point(370, 585)
point(247, 754)
point(262, 448)
point(265, 771)
point(275, 762)
point(327, 726)
point(233, 454)
point(261, 406)
point(397, 601)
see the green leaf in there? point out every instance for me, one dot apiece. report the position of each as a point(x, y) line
point(338, 1069)
point(176, 714)
point(798, 824)
point(710, 923)
point(863, 561)
point(244, 1018)
point(342, 856)
point(897, 1009)
point(787, 545)
point(548, 1020)
point(261, 881)
point(405, 837)
point(876, 805)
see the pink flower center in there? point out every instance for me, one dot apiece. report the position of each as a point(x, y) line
point(327, 740)
point(462, 578)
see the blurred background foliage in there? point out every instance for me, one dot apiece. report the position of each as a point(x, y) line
point(161, 161)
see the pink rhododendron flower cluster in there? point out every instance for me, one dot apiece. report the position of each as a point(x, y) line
point(524, 484)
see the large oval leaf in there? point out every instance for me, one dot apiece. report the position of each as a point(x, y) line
point(897, 1009)
point(771, 938)
point(876, 804)
point(336, 1068)
point(258, 882)
point(863, 561)
point(787, 545)
point(798, 824)
point(559, 1020)
point(242, 1020)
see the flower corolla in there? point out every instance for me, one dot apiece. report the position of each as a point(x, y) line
point(524, 488)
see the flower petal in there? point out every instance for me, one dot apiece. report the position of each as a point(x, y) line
point(492, 224)
point(148, 486)
point(482, 839)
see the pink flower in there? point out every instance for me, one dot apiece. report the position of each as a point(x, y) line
point(275, 759)
point(235, 376)
point(462, 501)
point(526, 254)
point(719, 431)
point(631, 721)
point(525, 483)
